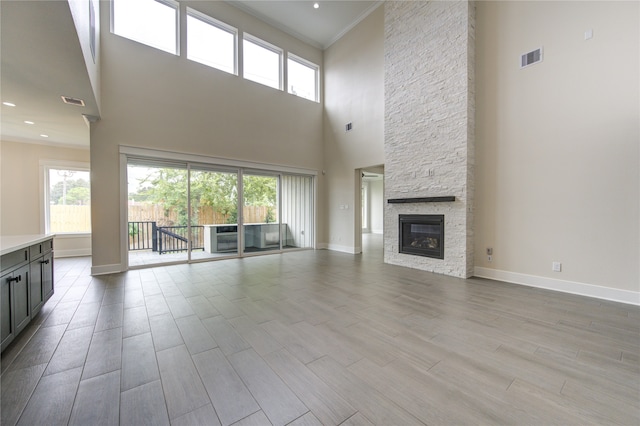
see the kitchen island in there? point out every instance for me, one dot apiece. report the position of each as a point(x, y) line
point(26, 281)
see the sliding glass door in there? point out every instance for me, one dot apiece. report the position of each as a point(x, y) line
point(157, 210)
point(260, 212)
point(185, 211)
point(214, 213)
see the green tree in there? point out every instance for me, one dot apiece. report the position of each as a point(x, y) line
point(216, 189)
point(77, 196)
point(260, 190)
point(57, 191)
point(168, 187)
point(219, 190)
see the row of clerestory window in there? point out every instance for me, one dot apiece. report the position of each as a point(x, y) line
point(215, 44)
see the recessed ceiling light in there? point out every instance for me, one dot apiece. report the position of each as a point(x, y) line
point(11, 104)
point(28, 122)
point(316, 5)
point(45, 136)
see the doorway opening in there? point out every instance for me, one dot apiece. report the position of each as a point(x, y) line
point(369, 232)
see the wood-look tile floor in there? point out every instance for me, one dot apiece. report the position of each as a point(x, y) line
point(318, 337)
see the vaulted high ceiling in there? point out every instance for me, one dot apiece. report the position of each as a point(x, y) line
point(41, 60)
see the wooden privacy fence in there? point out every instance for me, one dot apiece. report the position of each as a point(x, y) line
point(70, 218)
point(78, 218)
point(206, 215)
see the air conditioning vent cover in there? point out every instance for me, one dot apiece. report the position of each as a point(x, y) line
point(531, 58)
point(72, 101)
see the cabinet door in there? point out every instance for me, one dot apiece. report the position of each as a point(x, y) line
point(35, 283)
point(21, 306)
point(47, 276)
point(6, 313)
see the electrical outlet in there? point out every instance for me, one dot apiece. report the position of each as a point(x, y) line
point(556, 267)
point(489, 251)
point(489, 258)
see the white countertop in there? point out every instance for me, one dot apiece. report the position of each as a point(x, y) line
point(11, 243)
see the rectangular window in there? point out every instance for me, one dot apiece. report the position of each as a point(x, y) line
point(211, 42)
point(262, 62)
point(68, 200)
point(302, 78)
point(151, 22)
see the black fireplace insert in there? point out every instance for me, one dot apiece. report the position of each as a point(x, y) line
point(422, 235)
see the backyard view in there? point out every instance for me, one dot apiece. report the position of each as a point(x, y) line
point(164, 203)
point(161, 196)
point(176, 214)
point(69, 200)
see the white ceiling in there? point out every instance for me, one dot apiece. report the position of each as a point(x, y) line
point(319, 27)
point(41, 60)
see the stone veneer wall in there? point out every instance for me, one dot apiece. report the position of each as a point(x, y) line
point(429, 122)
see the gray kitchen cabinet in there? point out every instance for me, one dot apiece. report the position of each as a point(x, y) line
point(16, 312)
point(26, 283)
point(41, 278)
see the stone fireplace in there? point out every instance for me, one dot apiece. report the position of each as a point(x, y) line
point(429, 130)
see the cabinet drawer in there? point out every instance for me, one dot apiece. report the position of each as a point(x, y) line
point(37, 250)
point(10, 260)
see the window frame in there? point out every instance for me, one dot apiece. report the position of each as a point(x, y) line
point(268, 46)
point(223, 26)
point(169, 3)
point(45, 196)
point(309, 64)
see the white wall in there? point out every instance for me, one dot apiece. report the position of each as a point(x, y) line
point(354, 92)
point(22, 196)
point(557, 144)
point(156, 100)
point(80, 14)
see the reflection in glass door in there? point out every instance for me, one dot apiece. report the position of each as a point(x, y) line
point(260, 213)
point(214, 213)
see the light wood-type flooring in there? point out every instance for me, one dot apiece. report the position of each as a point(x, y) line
point(318, 337)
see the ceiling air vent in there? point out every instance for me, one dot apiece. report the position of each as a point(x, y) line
point(531, 58)
point(72, 101)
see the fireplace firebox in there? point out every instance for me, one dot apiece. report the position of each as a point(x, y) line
point(422, 235)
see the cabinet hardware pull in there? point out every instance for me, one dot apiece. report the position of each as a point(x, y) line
point(46, 262)
point(12, 279)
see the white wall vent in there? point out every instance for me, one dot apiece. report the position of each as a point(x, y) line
point(72, 101)
point(531, 58)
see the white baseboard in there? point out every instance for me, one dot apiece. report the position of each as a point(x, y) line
point(573, 287)
point(344, 249)
point(107, 269)
point(72, 253)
